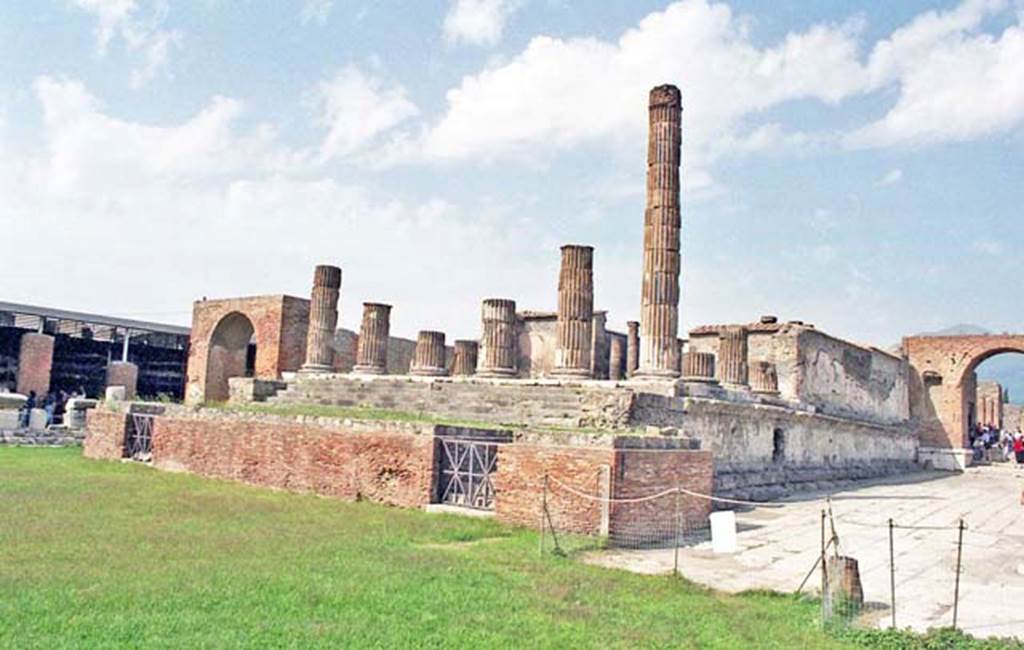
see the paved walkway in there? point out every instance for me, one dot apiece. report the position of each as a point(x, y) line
point(778, 546)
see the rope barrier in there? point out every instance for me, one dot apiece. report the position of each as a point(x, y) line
point(658, 495)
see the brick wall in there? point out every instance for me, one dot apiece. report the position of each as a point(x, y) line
point(106, 430)
point(35, 363)
point(643, 472)
point(519, 483)
point(383, 466)
point(605, 472)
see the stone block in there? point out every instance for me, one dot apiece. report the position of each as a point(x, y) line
point(37, 420)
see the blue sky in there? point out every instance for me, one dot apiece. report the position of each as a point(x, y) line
point(858, 166)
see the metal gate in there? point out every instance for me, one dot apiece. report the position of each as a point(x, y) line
point(139, 441)
point(466, 470)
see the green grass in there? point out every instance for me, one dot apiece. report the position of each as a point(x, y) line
point(104, 554)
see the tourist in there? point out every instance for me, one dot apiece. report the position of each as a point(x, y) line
point(49, 405)
point(1018, 448)
point(30, 404)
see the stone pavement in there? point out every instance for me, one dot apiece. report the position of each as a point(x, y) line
point(778, 546)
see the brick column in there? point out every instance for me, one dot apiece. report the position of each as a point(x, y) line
point(632, 347)
point(372, 350)
point(123, 373)
point(659, 307)
point(732, 356)
point(429, 360)
point(699, 366)
point(323, 319)
point(464, 363)
point(764, 379)
point(497, 356)
point(575, 312)
point(35, 362)
point(616, 358)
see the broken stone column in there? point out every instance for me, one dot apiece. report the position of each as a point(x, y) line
point(323, 319)
point(616, 358)
point(125, 374)
point(497, 356)
point(764, 378)
point(575, 312)
point(699, 366)
point(632, 347)
point(659, 306)
point(464, 363)
point(429, 359)
point(372, 350)
point(35, 363)
point(732, 356)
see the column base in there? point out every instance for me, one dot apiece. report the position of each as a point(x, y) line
point(655, 373)
point(497, 373)
point(315, 369)
point(369, 370)
point(429, 372)
point(571, 373)
point(700, 380)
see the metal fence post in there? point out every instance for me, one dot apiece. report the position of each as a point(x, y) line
point(959, 557)
point(675, 544)
point(892, 575)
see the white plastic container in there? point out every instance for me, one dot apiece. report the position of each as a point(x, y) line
point(723, 531)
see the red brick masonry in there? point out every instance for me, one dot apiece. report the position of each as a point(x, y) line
point(395, 463)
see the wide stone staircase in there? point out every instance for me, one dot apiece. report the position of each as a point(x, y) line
point(509, 402)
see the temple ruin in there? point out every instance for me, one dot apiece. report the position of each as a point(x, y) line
point(756, 409)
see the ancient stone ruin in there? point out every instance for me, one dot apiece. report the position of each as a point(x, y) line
point(756, 409)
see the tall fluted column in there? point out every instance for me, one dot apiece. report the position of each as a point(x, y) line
point(616, 358)
point(429, 359)
point(659, 306)
point(699, 366)
point(732, 356)
point(464, 363)
point(575, 312)
point(764, 378)
point(632, 347)
point(498, 343)
point(372, 351)
point(323, 319)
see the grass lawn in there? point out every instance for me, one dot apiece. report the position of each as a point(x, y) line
point(102, 554)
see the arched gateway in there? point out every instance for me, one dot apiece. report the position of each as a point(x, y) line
point(224, 331)
point(943, 387)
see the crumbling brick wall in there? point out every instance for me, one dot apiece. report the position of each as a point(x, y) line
point(107, 430)
point(382, 465)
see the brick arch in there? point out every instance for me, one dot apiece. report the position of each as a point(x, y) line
point(942, 382)
point(279, 325)
point(227, 354)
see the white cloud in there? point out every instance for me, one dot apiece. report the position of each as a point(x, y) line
point(892, 178)
point(987, 247)
point(955, 82)
point(478, 22)
point(139, 29)
point(316, 11)
point(85, 146)
point(559, 93)
point(355, 108)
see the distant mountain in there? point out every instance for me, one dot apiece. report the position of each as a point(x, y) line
point(963, 329)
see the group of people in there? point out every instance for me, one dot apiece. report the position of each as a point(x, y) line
point(55, 405)
point(984, 436)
